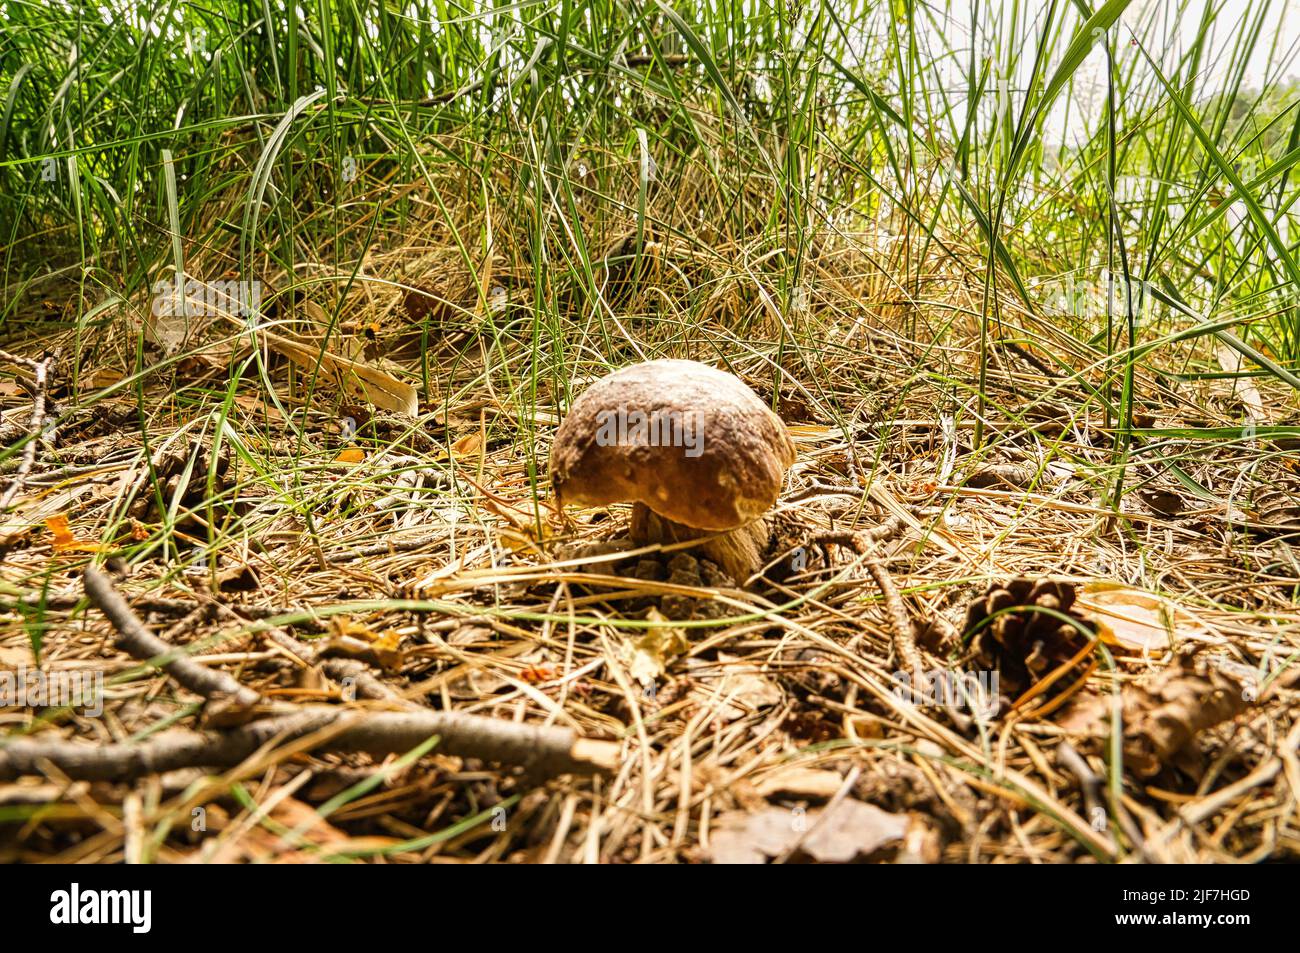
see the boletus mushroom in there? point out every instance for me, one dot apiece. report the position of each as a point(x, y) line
point(692, 448)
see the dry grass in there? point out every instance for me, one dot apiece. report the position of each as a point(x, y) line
point(443, 534)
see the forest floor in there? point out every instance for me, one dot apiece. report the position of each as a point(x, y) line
point(343, 558)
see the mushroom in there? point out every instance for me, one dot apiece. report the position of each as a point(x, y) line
point(692, 448)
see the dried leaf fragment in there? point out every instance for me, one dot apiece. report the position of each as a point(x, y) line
point(64, 539)
point(1135, 619)
point(847, 831)
point(647, 656)
point(1165, 716)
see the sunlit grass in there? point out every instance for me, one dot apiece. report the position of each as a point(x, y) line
point(696, 178)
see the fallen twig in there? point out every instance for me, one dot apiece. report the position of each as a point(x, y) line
point(864, 543)
point(138, 642)
point(35, 424)
point(1090, 783)
point(543, 750)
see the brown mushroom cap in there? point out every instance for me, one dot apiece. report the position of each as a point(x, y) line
point(731, 476)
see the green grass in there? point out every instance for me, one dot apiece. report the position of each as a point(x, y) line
point(650, 177)
point(892, 214)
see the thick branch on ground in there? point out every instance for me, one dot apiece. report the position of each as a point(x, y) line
point(545, 751)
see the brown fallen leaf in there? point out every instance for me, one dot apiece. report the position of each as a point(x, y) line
point(356, 640)
point(1277, 507)
point(850, 830)
point(648, 655)
point(1164, 502)
point(739, 692)
point(1164, 716)
point(101, 378)
point(1137, 620)
point(239, 578)
point(1018, 476)
point(468, 445)
point(352, 377)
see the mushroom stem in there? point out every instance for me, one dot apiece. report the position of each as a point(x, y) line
point(738, 552)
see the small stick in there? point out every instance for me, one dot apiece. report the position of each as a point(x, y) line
point(139, 642)
point(864, 543)
point(35, 424)
point(545, 750)
point(1089, 782)
point(1094, 789)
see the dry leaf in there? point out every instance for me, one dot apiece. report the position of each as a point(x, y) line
point(254, 404)
point(102, 378)
point(359, 641)
point(240, 578)
point(64, 539)
point(359, 380)
point(468, 445)
point(647, 657)
point(836, 835)
point(526, 538)
point(388, 649)
point(1135, 619)
point(58, 527)
point(1163, 715)
point(34, 511)
point(350, 455)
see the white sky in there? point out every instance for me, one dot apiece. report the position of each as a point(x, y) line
point(1160, 30)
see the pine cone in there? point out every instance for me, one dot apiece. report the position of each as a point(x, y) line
point(1025, 645)
point(169, 468)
